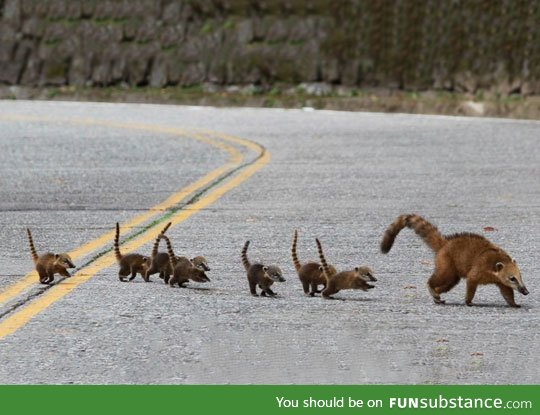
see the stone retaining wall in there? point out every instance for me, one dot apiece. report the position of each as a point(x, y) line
point(465, 46)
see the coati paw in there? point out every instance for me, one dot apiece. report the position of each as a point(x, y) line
point(439, 301)
point(469, 303)
point(515, 305)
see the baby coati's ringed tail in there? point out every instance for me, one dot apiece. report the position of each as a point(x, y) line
point(425, 230)
point(117, 252)
point(296, 261)
point(170, 251)
point(324, 264)
point(33, 252)
point(245, 260)
point(156, 243)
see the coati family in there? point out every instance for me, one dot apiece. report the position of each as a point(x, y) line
point(461, 255)
point(49, 264)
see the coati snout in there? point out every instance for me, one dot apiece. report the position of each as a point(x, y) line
point(274, 273)
point(64, 260)
point(508, 273)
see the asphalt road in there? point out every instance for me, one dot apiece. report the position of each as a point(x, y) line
point(342, 177)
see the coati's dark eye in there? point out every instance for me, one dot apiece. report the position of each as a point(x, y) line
point(513, 279)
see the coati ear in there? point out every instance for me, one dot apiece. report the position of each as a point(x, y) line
point(356, 269)
point(499, 266)
point(265, 268)
point(56, 256)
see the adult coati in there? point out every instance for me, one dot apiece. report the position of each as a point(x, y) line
point(461, 255)
point(49, 264)
point(130, 264)
point(311, 274)
point(183, 269)
point(356, 279)
point(262, 275)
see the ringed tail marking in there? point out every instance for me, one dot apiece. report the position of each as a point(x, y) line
point(296, 261)
point(245, 260)
point(156, 244)
point(322, 258)
point(172, 257)
point(117, 252)
point(425, 230)
point(35, 256)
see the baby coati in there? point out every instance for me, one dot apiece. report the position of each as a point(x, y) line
point(344, 280)
point(130, 264)
point(261, 275)
point(49, 264)
point(184, 269)
point(159, 261)
point(462, 255)
point(311, 274)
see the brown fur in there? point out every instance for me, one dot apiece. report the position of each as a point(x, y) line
point(260, 275)
point(159, 261)
point(311, 274)
point(183, 269)
point(130, 264)
point(356, 279)
point(462, 255)
point(49, 264)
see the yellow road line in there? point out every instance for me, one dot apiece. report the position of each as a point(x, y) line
point(235, 158)
point(15, 321)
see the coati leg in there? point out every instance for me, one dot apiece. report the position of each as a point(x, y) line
point(472, 284)
point(443, 279)
point(305, 286)
point(315, 289)
point(508, 294)
point(270, 292)
point(43, 277)
point(123, 273)
point(133, 275)
point(65, 273)
point(444, 286)
point(253, 289)
point(329, 290)
point(166, 278)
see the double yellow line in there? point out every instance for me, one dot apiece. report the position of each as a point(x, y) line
point(19, 318)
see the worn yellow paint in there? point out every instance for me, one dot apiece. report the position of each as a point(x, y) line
point(18, 319)
point(235, 158)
